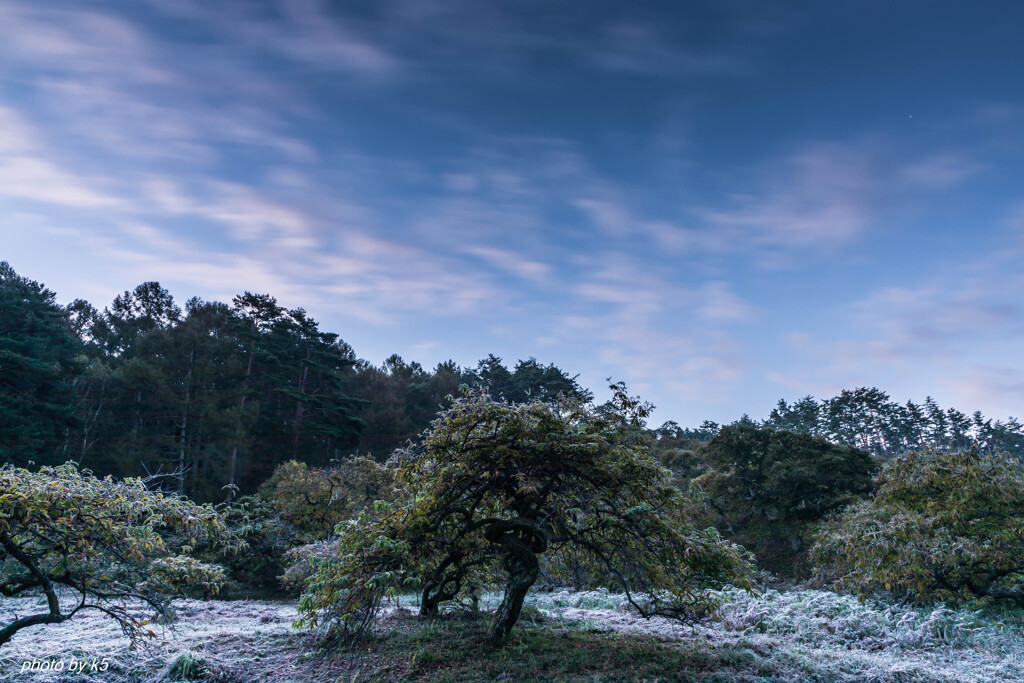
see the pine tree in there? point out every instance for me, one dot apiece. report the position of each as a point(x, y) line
point(40, 357)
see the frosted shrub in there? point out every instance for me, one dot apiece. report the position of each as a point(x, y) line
point(89, 544)
point(942, 527)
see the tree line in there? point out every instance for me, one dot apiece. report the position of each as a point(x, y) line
point(221, 394)
point(866, 418)
point(503, 477)
point(217, 395)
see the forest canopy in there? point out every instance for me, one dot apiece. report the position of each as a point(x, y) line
point(218, 394)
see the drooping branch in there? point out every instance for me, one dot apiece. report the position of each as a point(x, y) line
point(43, 581)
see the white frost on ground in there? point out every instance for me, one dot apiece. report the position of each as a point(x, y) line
point(826, 630)
point(243, 630)
point(811, 635)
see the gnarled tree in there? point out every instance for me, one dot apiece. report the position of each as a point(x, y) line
point(90, 542)
point(497, 489)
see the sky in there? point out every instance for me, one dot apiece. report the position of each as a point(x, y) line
point(720, 203)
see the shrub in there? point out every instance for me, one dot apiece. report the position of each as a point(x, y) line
point(314, 501)
point(62, 528)
point(942, 526)
point(297, 506)
point(267, 539)
point(184, 576)
point(766, 488)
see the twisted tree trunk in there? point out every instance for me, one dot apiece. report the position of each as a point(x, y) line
point(523, 568)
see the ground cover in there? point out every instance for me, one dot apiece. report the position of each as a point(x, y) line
point(792, 635)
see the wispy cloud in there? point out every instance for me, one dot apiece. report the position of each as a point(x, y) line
point(523, 267)
point(249, 214)
point(817, 197)
point(939, 314)
point(26, 173)
point(381, 281)
point(37, 180)
point(936, 322)
point(672, 341)
point(943, 333)
point(307, 31)
point(940, 172)
point(642, 47)
point(1000, 386)
point(87, 42)
point(721, 304)
point(17, 136)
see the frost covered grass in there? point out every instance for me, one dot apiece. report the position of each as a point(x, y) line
point(822, 635)
point(810, 616)
point(794, 635)
point(210, 640)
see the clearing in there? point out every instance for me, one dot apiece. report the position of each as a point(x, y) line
point(794, 635)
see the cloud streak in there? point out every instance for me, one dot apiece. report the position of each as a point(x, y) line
point(818, 197)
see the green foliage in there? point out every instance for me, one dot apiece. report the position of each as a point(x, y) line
point(402, 398)
point(188, 666)
point(867, 419)
point(942, 526)
point(314, 501)
point(60, 527)
point(303, 562)
point(266, 539)
point(39, 357)
point(527, 381)
point(678, 449)
point(764, 489)
point(217, 394)
point(494, 489)
point(294, 511)
point(185, 576)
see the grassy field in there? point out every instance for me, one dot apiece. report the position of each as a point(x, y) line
point(796, 635)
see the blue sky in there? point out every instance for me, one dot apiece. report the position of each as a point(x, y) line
point(721, 203)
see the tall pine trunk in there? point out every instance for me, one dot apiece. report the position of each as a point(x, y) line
point(300, 406)
point(233, 474)
point(183, 436)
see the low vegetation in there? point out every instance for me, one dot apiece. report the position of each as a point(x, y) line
point(943, 526)
point(84, 543)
